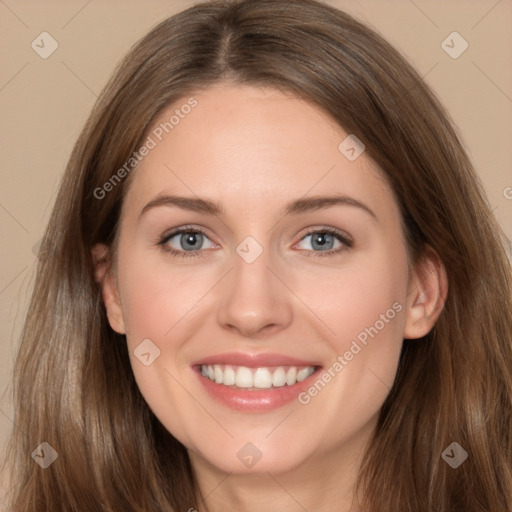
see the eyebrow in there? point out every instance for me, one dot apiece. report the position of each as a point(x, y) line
point(298, 206)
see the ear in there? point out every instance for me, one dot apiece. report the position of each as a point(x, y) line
point(104, 276)
point(426, 294)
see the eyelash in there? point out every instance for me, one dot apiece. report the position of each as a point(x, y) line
point(312, 254)
point(180, 254)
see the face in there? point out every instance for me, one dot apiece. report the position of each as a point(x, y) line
point(262, 282)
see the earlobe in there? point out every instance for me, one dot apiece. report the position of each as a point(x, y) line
point(427, 292)
point(104, 276)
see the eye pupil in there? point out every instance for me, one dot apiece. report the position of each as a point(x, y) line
point(322, 241)
point(191, 241)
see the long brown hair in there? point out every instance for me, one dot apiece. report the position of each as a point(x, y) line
point(74, 387)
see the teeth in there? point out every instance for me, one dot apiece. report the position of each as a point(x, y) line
point(229, 376)
point(279, 378)
point(261, 378)
point(243, 377)
point(217, 372)
point(303, 374)
point(291, 376)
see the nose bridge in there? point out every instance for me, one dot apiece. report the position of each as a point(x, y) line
point(253, 298)
point(251, 276)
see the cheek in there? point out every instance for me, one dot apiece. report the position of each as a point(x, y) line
point(157, 296)
point(156, 306)
point(366, 293)
point(161, 304)
point(363, 306)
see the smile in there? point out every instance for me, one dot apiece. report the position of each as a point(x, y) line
point(255, 378)
point(255, 383)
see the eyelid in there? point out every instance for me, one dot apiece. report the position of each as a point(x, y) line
point(163, 239)
point(343, 235)
point(344, 238)
point(184, 229)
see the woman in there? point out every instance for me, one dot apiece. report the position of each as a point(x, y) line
point(271, 280)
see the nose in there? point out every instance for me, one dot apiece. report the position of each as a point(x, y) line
point(254, 302)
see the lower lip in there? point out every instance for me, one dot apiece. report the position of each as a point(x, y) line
point(260, 400)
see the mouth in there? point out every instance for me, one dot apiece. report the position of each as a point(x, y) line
point(254, 379)
point(255, 383)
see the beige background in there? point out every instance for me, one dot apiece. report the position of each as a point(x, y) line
point(44, 103)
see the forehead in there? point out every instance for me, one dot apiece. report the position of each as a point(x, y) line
point(248, 143)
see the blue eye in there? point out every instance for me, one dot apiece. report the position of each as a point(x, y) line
point(322, 241)
point(188, 242)
point(327, 241)
point(185, 240)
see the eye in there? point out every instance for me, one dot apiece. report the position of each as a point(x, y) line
point(327, 241)
point(186, 240)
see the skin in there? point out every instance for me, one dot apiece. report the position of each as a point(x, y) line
point(253, 150)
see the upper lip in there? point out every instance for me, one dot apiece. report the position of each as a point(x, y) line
point(254, 360)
